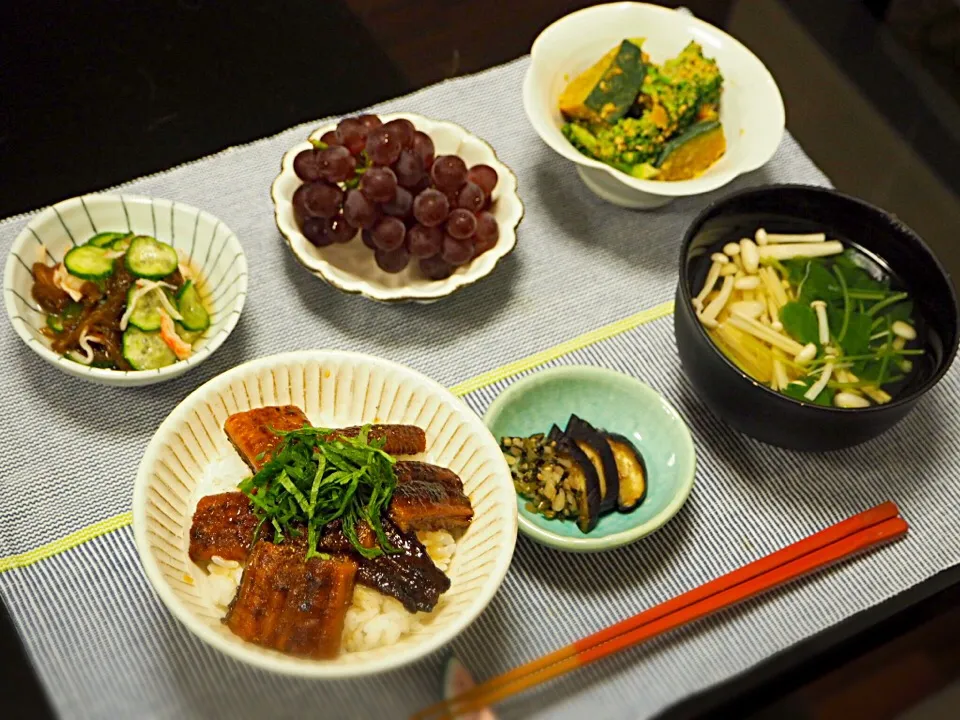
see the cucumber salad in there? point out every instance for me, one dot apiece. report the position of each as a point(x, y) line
point(121, 301)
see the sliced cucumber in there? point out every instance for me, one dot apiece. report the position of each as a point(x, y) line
point(149, 258)
point(89, 262)
point(188, 336)
point(122, 243)
point(146, 315)
point(105, 239)
point(195, 315)
point(55, 323)
point(146, 350)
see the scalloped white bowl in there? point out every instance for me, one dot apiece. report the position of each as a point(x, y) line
point(751, 108)
point(334, 389)
point(206, 242)
point(350, 267)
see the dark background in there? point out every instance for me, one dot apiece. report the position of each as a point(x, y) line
point(98, 92)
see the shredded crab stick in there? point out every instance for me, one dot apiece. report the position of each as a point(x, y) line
point(168, 333)
point(144, 288)
point(72, 286)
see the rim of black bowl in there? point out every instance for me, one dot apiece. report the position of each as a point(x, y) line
point(684, 282)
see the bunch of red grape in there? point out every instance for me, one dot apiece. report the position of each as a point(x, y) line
point(383, 179)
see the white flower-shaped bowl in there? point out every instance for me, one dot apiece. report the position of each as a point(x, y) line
point(201, 240)
point(334, 389)
point(350, 267)
point(751, 108)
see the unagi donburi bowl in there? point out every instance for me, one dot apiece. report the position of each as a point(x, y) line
point(334, 389)
point(751, 407)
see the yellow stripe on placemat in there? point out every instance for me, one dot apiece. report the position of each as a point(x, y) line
point(467, 386)
point(578, 343)
point(66, 543)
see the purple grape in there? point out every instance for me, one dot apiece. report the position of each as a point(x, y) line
point(448, 173)
point(379, 184)
point(392, 261)
point(352, 134)
point(383, 146)
point(461, 224)
point(370, 122)
point(314, 229)
point(484, 176)
point(321, 199)
point(422, 185)
point(330, 138)
point(488, 230)
point(307, 165)
point(436, 268)
point(367, 237)
point(401, 204)
point(424, 242)
point(339, 230)
point(338, 164)
point(409, 168)
point(389, 233)
point(481, 246)
point(456, 252)
point(298, 201)
point(423, 146)
point(471, 197)
point(431, 207)
point(403, 129)
point(359, 210)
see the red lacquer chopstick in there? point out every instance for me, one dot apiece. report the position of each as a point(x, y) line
point(877, 525)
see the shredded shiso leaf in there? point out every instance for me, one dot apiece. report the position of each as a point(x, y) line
point(311, 481)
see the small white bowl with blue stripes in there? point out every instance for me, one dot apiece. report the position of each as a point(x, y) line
point(200, 239)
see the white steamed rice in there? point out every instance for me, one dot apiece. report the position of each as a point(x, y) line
point(373, 619)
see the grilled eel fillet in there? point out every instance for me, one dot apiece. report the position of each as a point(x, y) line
point(409, 576)
point(252, 433)
point(291, 604)
point(428, 497)
point(223, 525)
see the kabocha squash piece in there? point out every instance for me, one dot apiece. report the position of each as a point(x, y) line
point(606, 91)
point(692, 152)
point(632, 470)
point(598, 451)
point(583, 477)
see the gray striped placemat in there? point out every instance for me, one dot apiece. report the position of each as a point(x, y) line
point(103, 645)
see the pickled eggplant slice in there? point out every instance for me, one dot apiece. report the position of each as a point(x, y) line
point(632, 470)
point(582, 477)
point(592, 443)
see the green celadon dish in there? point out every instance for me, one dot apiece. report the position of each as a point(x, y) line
point(617, 403)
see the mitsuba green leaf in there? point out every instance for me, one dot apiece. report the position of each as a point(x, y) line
point(901, 311)
point(800, 322)
point(856, 340)
point(818, 283)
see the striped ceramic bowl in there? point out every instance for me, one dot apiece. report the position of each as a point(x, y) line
point(190, 456)
point(201, 240)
